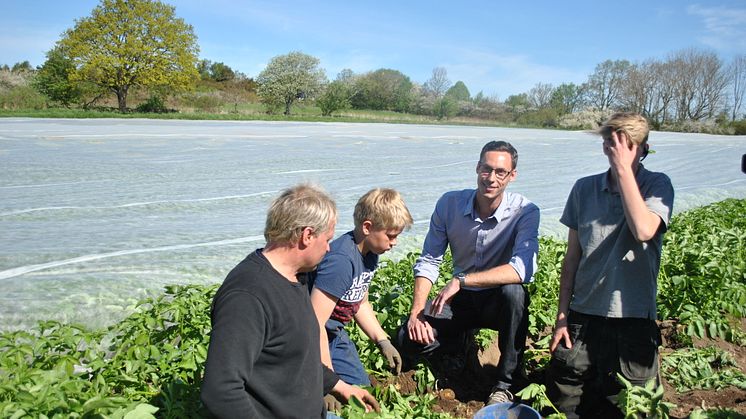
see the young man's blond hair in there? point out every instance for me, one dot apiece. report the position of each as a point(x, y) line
point(297, 208)
point(384, 208)
point(633, 125)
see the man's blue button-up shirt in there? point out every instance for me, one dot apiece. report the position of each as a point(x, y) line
point(509, 235)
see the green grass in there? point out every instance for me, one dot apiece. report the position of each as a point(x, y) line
point(255, 112)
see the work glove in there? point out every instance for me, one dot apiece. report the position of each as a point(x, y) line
point(391, 355)
point(332, 404)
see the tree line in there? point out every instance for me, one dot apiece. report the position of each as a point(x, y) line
point(142, 45)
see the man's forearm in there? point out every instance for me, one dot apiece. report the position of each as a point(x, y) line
point(642, 222)
point(422, 287)
point(499, 275)
point(567, 276)
point(366, 319)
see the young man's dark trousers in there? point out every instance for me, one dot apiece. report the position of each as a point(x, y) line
point(504, 308)
point(582, 381)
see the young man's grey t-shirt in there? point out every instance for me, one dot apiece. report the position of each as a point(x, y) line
point(617, 275)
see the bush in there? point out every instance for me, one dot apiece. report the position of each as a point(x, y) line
point(22, 97)
point(585, 119)
point(154, 104)
point(10, 79)
point(336, 97)
point(702, 127)
point(739, 127)
point(544, 117)
point(204, 102)
point(445, 107)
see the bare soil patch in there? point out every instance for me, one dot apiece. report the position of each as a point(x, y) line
point(462, 395)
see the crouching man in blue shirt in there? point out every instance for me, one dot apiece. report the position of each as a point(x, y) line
point(493, 236)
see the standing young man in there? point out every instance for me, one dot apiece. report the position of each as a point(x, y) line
point(264, 360)
point(606, 318)
point(493, 236)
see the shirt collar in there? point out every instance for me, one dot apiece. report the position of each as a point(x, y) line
point(605, 178)
point(503, 210)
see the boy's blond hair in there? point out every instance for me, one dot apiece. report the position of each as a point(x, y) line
point(630, 123)
point(296, 208)
point(384, 208)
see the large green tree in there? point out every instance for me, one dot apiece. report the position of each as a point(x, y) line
point(606, 85)
point(383, 89)
point(566, 98)
point(459, 92)
point(53, 79)
point(289, 77)
point(336, 97)
point(128, 43)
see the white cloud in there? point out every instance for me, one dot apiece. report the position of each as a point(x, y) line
point(725, 28)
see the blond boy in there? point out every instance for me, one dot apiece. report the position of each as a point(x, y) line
point(340, 285)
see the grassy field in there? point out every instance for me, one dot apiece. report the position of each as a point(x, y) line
point(256, 112)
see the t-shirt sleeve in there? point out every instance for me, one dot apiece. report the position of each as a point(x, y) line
point(570, 215)
point(334, 275)
point(659, 197)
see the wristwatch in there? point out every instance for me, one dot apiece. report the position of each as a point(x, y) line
point(461, 279)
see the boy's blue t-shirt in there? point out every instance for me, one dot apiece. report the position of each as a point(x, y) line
point(345, 274)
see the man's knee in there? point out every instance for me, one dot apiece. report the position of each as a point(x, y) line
point(402, 337)
point(514, 296)
point(407, 346)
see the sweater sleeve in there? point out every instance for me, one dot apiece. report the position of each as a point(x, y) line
point(330, 379)
point(238, 332)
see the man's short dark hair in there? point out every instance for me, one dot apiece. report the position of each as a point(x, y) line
point(500, 146)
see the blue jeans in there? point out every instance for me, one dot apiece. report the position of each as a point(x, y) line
point(345, 359)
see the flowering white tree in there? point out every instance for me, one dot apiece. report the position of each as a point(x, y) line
point(290, 77)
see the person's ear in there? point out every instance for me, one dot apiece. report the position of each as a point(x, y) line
point(367, 227)
point(306, 235)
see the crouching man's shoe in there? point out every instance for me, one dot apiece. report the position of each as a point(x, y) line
point(499, 395)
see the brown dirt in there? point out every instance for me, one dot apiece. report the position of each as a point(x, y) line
point(463, 395)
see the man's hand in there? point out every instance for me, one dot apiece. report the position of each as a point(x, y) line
point(343, 391)
point(391, 355)
point(419, 329)
point(444, 297)
point(620, 153)
point(332, 404)
point(560, 334)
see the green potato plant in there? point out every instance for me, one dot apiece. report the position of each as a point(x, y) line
point(150, 364)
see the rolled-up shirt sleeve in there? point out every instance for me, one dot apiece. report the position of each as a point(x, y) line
point(526, 246)
point(436, 243)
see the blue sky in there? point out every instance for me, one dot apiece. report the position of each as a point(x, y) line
point(498, 47)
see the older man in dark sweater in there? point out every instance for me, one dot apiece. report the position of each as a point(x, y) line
point(264, 359)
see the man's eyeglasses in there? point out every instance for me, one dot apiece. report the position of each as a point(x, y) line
point(500, 173)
